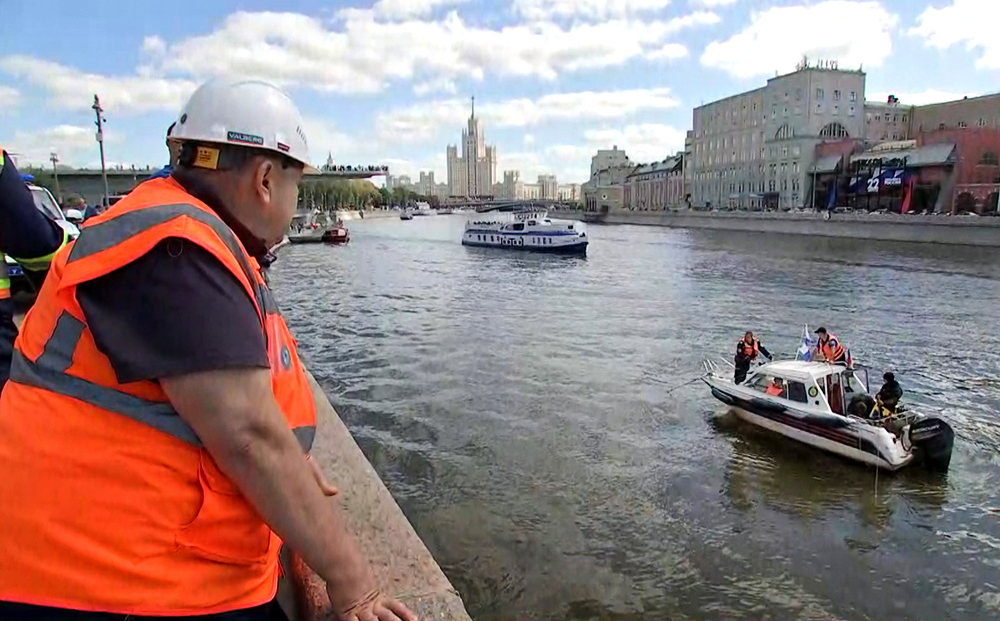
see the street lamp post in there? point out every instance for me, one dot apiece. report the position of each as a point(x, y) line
point(55, 159)
point(99, 111)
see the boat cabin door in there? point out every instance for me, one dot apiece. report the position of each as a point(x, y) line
point(835, 393)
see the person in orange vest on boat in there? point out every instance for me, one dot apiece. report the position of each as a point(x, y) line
point(776, 388)
point(829, 348)
point(155, 430)
point(747, 350)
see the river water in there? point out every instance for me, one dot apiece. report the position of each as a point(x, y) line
point(519, 408)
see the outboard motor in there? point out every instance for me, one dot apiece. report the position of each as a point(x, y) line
point(932, 441)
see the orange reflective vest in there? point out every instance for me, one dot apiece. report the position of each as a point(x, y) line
point(110, 502)
point(750, 350)
point(832, 350)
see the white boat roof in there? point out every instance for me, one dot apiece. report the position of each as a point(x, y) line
point(799, 369)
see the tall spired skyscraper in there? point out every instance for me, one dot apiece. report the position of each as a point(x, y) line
point(475, 172)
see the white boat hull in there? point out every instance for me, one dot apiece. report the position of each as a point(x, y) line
point(903, 458)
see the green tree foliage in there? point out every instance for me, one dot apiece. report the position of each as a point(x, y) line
point(333, 194)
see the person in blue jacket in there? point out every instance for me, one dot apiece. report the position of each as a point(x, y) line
point(174, 150)
point(29, 237)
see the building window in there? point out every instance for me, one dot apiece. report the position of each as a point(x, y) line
point(836, 95)
point(982, 122)
point(941, 126)
point(989, 159)
point(836, 109)
point(786, 111)
point(819, 94)
point(770, 185)
point(784, 151)
point(962, 125)
point(798, 94)
point(854, 96)
point(878, 118)
point(819, 108)
point(850, 111)
point(784, 185)
point(795, 167)
point(834, 130)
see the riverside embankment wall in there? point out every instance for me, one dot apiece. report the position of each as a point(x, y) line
point(402, 564)
point(962, 230)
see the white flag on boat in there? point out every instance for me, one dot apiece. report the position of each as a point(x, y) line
point(805, 351)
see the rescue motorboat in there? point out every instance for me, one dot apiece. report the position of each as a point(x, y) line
point(337, 235)
point(828, 406)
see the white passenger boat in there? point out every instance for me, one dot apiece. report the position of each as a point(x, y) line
point(827, 406)
point(422, 209)
point(524, 227)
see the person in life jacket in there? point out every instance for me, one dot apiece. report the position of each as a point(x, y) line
point(748, 349)
point(829, 349)
point(155, 430)
point(29, 237)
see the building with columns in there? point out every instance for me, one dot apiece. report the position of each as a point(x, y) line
point(754, 150)
point(474, 173)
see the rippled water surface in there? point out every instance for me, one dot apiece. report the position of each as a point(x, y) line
point(518, 408)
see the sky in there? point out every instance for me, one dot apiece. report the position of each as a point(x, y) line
point(390, 81)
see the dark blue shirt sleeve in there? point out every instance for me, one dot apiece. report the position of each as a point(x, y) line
point(25, 232)
point(175, 311)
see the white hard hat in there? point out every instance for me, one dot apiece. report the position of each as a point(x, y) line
point(246, 113)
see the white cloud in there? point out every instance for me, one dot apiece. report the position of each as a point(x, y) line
point(439, 86)
point(594, 10)
point(363, 52)
point(398, 9)
point(424, 122)
point(75, 145)
point(712, 3)
point(670, 51)
point(929, 96)
point(325, 139)
point(154, 45)
point(74, 90)
point(973, 22)
point(10, 98)
point(644, 142)
point(852, 32)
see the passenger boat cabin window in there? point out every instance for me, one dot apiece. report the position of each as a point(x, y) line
point(835, 393)
point(519, 226)
point(797, 392)
point(570, 227)
point(532, 223)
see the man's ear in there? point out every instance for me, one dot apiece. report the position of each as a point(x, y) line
point(263, 178)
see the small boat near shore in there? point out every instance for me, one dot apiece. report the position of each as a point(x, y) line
point(827, 406)
point(336, 235)
point(525, 227)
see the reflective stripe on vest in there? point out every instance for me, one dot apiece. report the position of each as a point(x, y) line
point(4, 279)
point(108, 234)
point(40, 264)
point(49, 373)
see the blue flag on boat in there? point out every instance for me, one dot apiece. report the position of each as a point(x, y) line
point(805, 351)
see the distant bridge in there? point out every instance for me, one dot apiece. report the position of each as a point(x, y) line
point(89, 184)
point(485, 203)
